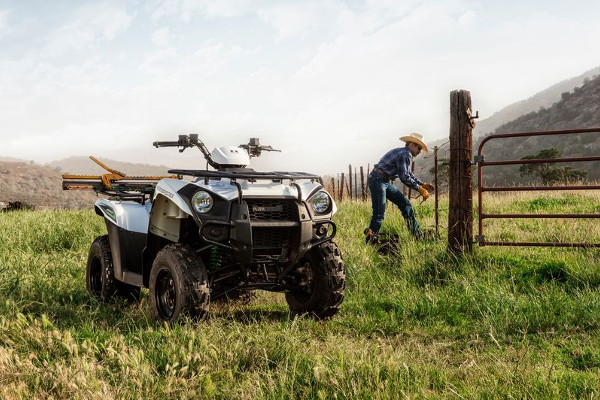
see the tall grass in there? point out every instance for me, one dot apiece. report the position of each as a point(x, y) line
point(503, 322)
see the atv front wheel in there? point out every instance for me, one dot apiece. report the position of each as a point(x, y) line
point(100, 274)
point(322, 283)
point(178, 284)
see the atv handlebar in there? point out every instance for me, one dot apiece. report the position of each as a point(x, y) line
point(165, 144)
point(254, 148)
point(184, 142)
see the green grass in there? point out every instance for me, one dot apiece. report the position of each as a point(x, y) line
point(504, 322)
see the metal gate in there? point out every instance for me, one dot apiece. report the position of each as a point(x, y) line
point(480, 161)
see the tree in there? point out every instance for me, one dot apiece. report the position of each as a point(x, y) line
point(443, 173)
point(547, 172)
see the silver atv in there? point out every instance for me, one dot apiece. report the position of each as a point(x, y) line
point(220, 234)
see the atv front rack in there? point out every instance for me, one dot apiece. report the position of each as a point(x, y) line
point(251, 176)
point(245, 174)
point(114, 184)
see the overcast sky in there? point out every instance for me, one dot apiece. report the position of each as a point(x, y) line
point(329, 82)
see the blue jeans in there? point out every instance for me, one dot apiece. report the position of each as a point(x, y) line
point(381, 188)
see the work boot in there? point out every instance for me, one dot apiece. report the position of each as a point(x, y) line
point(371, 236)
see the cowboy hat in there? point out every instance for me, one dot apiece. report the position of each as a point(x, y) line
point(416, 138)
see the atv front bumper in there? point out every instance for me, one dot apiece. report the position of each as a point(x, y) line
point(259, 233)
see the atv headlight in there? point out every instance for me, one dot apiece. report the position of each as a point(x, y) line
point(320, 202)
point(202, 202)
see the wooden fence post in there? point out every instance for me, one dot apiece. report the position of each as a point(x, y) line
point(342, 188)
point(350, 181)
point(460, 217)
point(368, 191)
point(333, 187)
point(355, 185)
point(363, 194)
point(437, 191)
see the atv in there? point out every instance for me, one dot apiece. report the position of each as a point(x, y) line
point(217, 235)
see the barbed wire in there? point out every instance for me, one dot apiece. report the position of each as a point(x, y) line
point(439, 147)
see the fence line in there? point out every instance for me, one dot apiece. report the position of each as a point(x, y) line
point(350, 188)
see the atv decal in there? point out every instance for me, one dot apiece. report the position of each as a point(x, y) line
point(277, 208)
point(110, 213)
point(165, 192)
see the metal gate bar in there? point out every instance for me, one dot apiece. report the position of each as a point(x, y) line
point(480, 160)
point(530, 188)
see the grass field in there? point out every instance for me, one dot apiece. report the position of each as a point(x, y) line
point(504, 322)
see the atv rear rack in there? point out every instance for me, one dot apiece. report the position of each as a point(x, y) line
point(114, 184)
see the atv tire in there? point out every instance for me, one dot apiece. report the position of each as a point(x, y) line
point(178, 285)
point(100, 274)
point(324, 269)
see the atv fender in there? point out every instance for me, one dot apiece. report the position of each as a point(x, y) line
point(128, 215)
point(168, 209)
point(165, 218)
point(169, 188)
point(127, 226)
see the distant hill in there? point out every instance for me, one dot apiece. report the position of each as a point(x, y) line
point(40, 186)
point(84, 165)
point(11, 159)
point(578, 108)
point(544, 99)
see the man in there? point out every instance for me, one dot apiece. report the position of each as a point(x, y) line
point(396, 164)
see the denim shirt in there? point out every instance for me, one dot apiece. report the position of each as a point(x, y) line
point(396, 162)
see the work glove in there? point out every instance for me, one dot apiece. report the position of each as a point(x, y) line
point(423, 192)
point(428, 186)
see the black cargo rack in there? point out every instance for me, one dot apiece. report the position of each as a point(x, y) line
point(275, 175)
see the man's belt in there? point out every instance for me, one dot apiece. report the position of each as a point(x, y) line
point(382, 172)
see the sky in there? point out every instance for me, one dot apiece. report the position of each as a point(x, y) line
point(328, 82)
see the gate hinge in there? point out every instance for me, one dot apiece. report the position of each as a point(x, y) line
point(478, 159)
point(481, 240)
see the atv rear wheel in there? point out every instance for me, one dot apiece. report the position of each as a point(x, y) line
point(323, 283)
point(100, 274)
point(178, 284)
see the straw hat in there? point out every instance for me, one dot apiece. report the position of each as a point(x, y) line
point(416, 138)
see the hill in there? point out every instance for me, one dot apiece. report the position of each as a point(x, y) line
point(40, 186)
point(83, 165)
point(544, 99)
point(579, 108)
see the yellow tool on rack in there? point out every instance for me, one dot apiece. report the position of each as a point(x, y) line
point(114, 183)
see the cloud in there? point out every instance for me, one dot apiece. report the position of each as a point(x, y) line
point(290, 20)
point(287, 19)
point(186, 10)
point(4, 26)
point(328, 82)
point(86, 26)
point(162, 37)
